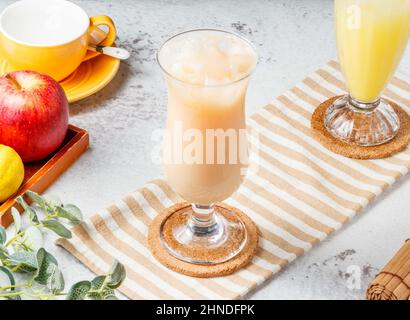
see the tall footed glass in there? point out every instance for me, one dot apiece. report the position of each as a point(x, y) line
point(372, 36)
point(207, 74)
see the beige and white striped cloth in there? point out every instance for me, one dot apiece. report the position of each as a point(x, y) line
point(300, 194)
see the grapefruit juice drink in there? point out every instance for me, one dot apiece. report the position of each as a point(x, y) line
point(207, 79)
point(207, 74)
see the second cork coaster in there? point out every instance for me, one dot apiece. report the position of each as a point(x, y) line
point(198, 270)
point(397, 144)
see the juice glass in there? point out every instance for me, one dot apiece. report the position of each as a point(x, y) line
point(372, 36)
point(207, 74)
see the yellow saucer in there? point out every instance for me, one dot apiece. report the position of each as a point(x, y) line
point(91, 76)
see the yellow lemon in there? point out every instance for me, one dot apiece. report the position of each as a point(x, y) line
point(11, 172)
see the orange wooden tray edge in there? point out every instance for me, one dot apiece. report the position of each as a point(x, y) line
point(49, 172)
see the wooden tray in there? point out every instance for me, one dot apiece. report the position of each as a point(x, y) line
point(40, 175)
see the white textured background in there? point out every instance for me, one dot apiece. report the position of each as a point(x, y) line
point(293, 37)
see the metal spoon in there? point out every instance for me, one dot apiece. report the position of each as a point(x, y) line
point(97, 36)
point(114, 52)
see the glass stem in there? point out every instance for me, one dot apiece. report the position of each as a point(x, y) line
point(202, 221)
point(364, 106)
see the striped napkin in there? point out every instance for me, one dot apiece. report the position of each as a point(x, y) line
point(298, 195)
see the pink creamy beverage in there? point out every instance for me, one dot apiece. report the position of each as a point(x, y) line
point(207, 74)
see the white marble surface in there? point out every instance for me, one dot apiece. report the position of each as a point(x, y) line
point(293, 37)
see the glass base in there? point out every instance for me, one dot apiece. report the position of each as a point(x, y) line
point(362, 124)
point(203, 234)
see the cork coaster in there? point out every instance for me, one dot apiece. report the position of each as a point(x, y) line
point(197, 270)
point(397, 144)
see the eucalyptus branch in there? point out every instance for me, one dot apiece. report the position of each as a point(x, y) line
point(28, 294)
point(24, 253)
point(21, 285)
point(15, 238)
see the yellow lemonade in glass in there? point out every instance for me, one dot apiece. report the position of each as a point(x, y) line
point(372, 36)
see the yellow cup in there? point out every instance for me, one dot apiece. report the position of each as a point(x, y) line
point(49, 36)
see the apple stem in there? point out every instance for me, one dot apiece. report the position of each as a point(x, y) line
point(12, 80)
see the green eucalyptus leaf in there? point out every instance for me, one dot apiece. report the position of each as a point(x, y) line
point(96, 285)
point(48, 273)
point(26, 261)
point(44, 260)
point(33, 238)
point(58, 228)
point(55, 282)
point(46, 256)
point(95, 296)
point(116, 275)
point(6, 278)
point(110, 297)
point(3, 235)
point(75, 212)
point(28, 210)
point(107, 292)
point(79, 290)
point(17, 220)
point(53, 200)
point(97, 282)
point(71, 213)
point(36, 198)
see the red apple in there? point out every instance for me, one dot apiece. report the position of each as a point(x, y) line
point(33, 114)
